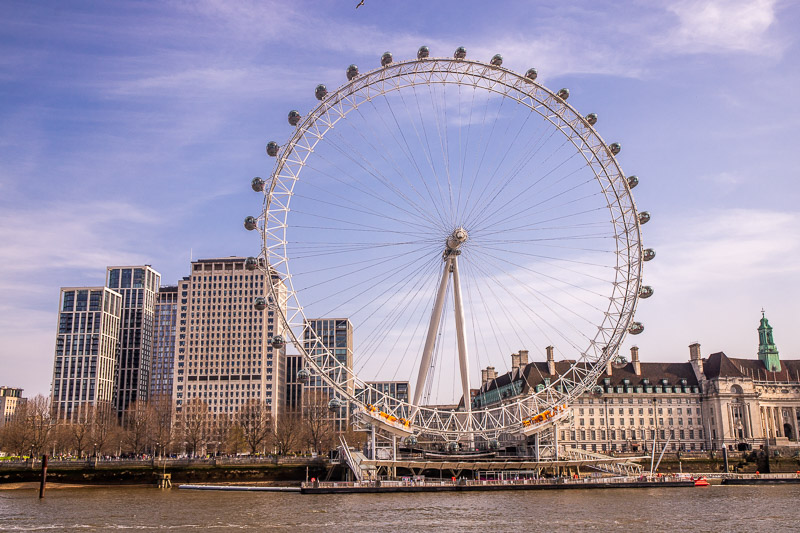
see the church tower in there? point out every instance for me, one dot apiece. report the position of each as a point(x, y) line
point(767, 351)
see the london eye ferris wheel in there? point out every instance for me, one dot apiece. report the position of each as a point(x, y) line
point(455, 212)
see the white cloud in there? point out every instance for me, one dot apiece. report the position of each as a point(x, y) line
point(723, 26)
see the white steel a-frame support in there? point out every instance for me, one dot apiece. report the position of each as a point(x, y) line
point(451, 253)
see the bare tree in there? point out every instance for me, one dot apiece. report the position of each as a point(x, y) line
point(137, 427)
point(16, 433)
point(256, 424)
point(234, 440)
point(78, 431)
point(195, 422)
point(39, 422)
point(318, 422)
point(161, 428)
point(106, 432)
point(287, 433)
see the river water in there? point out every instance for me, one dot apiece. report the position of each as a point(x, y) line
point(718, 508)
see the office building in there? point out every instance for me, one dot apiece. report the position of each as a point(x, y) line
point(138, 286)
point(86, 350)
point(224, 355)
point(10, 399)
point(161, 367)
point(333, 336)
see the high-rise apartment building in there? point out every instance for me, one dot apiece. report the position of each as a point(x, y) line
point(138, 286)
point(294, 388)
point(161, 367)
point(224, 355)
point(334, 335)
point(10, 399)
point(86, 350)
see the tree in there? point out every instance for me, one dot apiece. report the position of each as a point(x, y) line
point(287, 433)
point(161, 428)
point(137, 427)
point(78, 432)
point(105, 428)
point(16, 433)
point(256, 424)
point(40, 424)
point(195, 422)
point(318, 422)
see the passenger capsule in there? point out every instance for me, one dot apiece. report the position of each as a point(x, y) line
point(460, 53)
point(303, 375)
point(591, 118)
point(411, 440)
point(644, 217)
point(452, 447)
point(321, 92)
point(250, 223)
point(497, 60)
point(257, 184)
point(597, 390)
point(531, 74)
point(278, 342)
point(423, 52)
point(494, 444)
point(636, 328)
point(648, 254)
point(615, 148)
point(633, 181)
point(335, 404)
point(260, 303)
point(386, 58)
point(294, 117)
point(251, 263)
point(563, 94)
point(272, 148)
point(646, 291)
point(352, 72)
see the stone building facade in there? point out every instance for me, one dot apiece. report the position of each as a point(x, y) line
point(703, 404)
point(223, 353)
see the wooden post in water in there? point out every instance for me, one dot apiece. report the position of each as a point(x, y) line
point(43, 483)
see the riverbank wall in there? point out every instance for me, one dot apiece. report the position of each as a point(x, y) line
point(108, 473)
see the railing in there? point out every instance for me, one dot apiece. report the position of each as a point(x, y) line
point(156, 462)
point(498, 482)
point(348, 457)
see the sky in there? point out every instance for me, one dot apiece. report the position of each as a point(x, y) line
point(129, 132)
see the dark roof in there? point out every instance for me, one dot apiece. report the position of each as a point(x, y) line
point(168, 288)
point(231, 259)
point(535, 373)
point(720, 365)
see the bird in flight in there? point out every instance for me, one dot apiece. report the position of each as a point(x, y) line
point(361, 3)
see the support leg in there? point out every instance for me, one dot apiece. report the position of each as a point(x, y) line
point(433, 328)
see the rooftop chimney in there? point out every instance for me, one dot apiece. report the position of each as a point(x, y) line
point(695, 358)
point(551, 363)
point(608, 368)
point(514, 361)
point(637, 367)
point(523, 358)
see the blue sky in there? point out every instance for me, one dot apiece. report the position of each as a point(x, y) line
point(129, 132)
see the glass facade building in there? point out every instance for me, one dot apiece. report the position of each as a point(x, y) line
point(138, 286)
point(336, 336)
point(161, 370)
point(84, 368)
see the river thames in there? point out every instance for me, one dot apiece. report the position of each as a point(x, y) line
point(717, 508)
